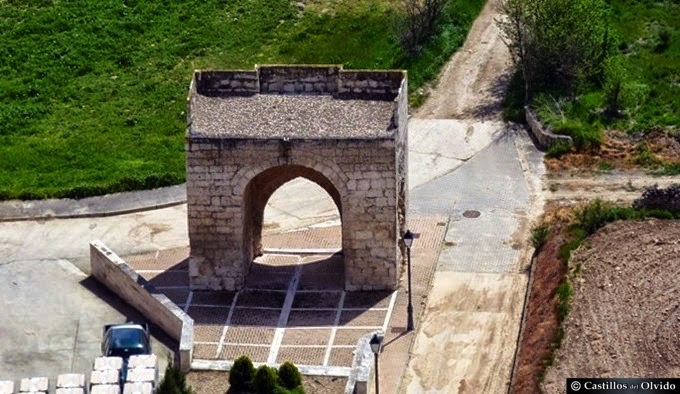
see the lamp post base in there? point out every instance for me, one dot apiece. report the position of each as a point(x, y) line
point(409, 323)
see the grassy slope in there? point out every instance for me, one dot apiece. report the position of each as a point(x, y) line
point(638, 25)
point(92, 94)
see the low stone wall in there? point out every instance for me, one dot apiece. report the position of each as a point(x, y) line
point(379, 85)
point(116, 274)
point(298, 79)
point(301, 79)
point(543, 136)
point(232, 83)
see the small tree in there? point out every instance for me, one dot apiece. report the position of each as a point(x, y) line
point(557, 44)
point(174, 382)
point(289, 375)
point(266, 380)
point(241, 374)
point(422, 17)
point(615, 75)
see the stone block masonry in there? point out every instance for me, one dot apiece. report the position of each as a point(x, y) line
point(344, 130)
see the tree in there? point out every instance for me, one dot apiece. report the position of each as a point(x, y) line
point(241, 374)
point(421, 22)
point(557, 44)
point(265, 380)
point(174, 382)
point(289, 376)
point(614, 78)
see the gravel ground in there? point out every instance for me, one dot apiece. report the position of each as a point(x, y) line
point(278, 116)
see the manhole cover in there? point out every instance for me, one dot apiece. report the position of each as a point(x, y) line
point(471, 214)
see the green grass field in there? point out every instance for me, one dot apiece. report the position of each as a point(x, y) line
point(92, 94)
point(648, 35)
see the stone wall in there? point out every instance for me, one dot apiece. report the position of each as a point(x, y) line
point(543, 136)
point(362, 84)
point(117, 275)
point(230, 181)
point(219, 83)
point(401, 122)
point(299, 79)
point(310, 79)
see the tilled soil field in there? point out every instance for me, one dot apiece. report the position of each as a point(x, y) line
point(625, 312)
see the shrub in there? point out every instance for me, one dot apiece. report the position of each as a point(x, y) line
point(563, 294)
point(596, 214)
point(586, 137)
point(558, 149)
point(241, 374)
point(265, 380)
point(655, 197)
point(664, 41)
point(645, 157)
point(174, 382)
point(289, 375)
point(539, 234)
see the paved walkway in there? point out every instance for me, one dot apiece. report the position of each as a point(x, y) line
point(467, 340)
point(294, 308)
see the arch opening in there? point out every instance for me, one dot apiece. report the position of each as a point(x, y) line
point(301, 215)
point(285, 181)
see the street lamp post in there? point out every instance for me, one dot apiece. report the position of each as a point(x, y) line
point(408, 241)
point(376, 345)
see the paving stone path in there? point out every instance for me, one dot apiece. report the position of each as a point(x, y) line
point(294, 307)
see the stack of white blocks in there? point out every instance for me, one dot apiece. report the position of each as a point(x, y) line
point(6, 387)
point(33, 385)
point(142, 374)
point(142, 377)
point(105, 375)
point(71, 383)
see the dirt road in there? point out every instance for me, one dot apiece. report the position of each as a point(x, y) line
point(473, 82)
point(567, 187)
point(467, 338)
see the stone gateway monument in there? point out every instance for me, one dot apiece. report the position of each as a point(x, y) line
point(249, 132)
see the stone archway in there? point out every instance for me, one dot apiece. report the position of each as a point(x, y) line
point(260, 189)
point(249, 132)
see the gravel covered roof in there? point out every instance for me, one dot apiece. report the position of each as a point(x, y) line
point(277, 116)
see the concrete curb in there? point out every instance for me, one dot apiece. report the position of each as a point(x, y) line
point(523, 321)
point(100, 206)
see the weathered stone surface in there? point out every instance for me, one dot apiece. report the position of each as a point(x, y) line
point(105, 389)
point(104, 363)
point(141, 375)
point(32, 385)
point(106, 376)
point(70, 390)
point(68, 380)
point(138, 388)
point(6, 387)
point(143, 361)
point(230, 177)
